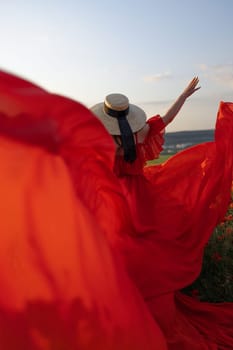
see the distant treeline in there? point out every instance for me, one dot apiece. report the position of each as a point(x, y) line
point(177, 141)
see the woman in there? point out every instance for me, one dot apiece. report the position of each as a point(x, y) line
point(127, 122)
point(174, 208)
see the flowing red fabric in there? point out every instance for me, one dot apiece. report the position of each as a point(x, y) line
point(175, 207)
point(63, 285)
point(72, 230)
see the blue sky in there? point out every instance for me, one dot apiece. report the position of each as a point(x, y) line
point(147, 49)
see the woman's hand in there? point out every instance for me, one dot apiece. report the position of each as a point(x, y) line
point(175, 108)
point(191, 88)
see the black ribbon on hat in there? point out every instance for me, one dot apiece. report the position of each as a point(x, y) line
point(127, 136)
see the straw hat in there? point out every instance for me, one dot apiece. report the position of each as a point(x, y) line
point(116, 106)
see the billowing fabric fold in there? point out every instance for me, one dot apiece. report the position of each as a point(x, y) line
point(175, 207)
point(63, 285)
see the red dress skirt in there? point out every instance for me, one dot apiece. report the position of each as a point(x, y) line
point(63, 285)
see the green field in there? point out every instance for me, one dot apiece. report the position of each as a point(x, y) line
point(161, 159)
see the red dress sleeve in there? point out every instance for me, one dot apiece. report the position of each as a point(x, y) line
point(147, 150)
point(152, 145)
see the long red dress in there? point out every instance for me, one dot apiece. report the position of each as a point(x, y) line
point(62, 285)
point(62, 279)
point(175, 207)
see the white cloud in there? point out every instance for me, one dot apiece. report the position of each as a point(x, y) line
point(157, 77)
point(221, 73)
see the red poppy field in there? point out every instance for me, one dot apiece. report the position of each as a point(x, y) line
point(215, 283)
